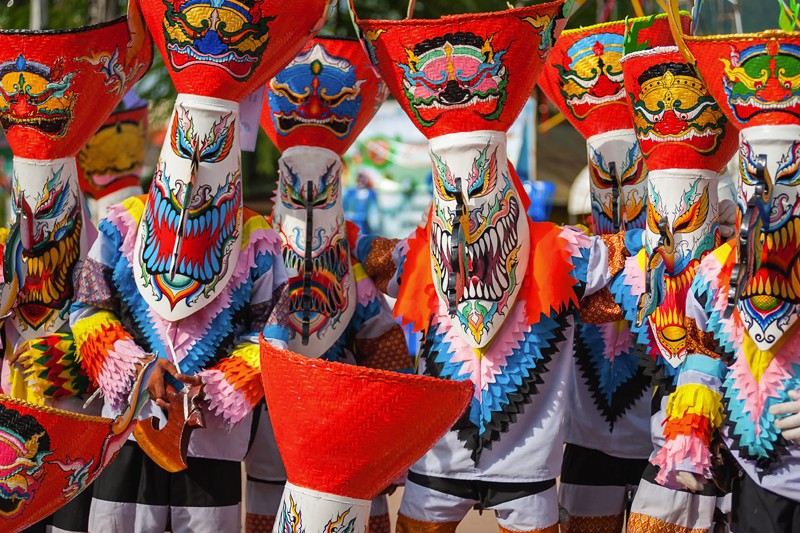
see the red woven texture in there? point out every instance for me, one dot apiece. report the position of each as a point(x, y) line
point(136, 116)
point(292, 24)
point(91, 93)
point(593, 117)
point(661, 150)
point(32, 443)
point(775, 101)
point(514, 37)
point(370, 91)
point(348, 430)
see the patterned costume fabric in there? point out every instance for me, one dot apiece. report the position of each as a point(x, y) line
point(745, 293)
point(110, 165)
point(314, 110)
point(56, 89)
point(609, 408)
point(686, 141)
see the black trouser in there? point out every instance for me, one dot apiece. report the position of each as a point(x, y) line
point(593, 468)
point(757, 510)
point(74, 516)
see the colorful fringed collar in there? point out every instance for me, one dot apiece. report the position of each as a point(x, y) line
point(756, 379)
point(548, 284)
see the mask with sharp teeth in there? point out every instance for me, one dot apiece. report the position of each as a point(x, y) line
point(755, 79)
point(684, 165)
point(313, 111)
point(770, 301)
point(479, 232)
point(190, 236)
point(64, 100)
point(451, 76)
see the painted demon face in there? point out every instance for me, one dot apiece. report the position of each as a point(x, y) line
point(682, 227)
point(309, 195)
point(764, 78)
point(24, 444)
point(618, 181)
point(116, 152)
point(227, 34)
point(33, 95)
point(188, 239)
point(456, 71)
point(590, 73)
point(316, 89)
point(476, 203)
point(770, 302)
point(47, 205)
point(674, 106)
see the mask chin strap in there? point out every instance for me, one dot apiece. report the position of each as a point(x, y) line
point(308, 262)
point(185, 204)
point(749, 259)
point(458, 255)
point(615, 193)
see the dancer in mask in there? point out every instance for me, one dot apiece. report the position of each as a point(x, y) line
point(686, 141)
point(314, 109)
point(746, 296)
point(190, 275)
point(607, 425)
point(491, 291)
point(53, 97)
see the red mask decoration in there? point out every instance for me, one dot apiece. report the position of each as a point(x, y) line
point(324, 97)
point(225, 48)
point(72, 80)
point(452, 75)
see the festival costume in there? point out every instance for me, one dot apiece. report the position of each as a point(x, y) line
point(56, 88)
point(110, 165)
point(314, 109)
point(686, 141)
point(187, 272)
point(607, 426)
point(491, 291)
point(745, 293)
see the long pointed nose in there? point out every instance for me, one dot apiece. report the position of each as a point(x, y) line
point(26, 224)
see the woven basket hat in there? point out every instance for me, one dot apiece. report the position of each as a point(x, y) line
point(678, 123)
point(228, 48)
point(58, 86)
point(463, 73)
point(113, 157)
point(350, 431)
point(324, 97)
point(583, 77)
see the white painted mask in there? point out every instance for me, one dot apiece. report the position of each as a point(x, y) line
point(309, 182)
point(615, 157)
point(190, 235)
point(489, 268)
point(52, 231)
point(770, 302)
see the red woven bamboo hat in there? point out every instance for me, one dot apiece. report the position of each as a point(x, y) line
point(677, 122)
point(349, 430)
point(58, 86)
point(463, 73)
point(47, 457)
point(324, 97)
point(583, 77)
point(753, 76)
point(113, 157)
point(228, 48)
